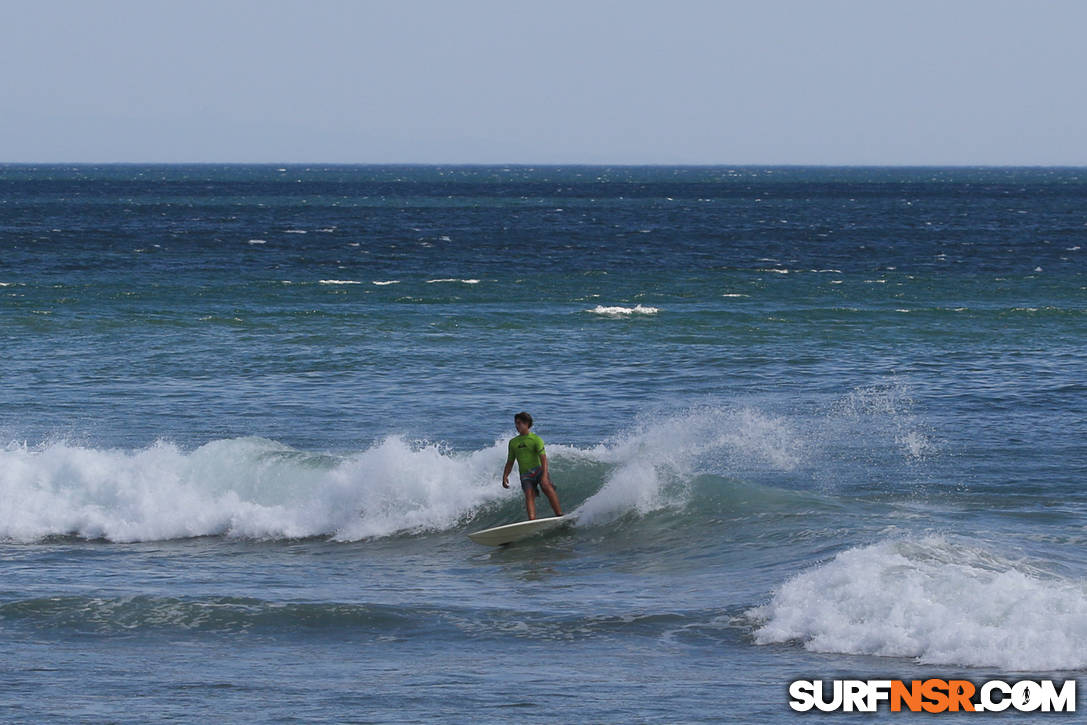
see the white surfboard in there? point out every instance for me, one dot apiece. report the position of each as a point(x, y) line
point(508, 533)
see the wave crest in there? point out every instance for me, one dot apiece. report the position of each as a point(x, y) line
point(620, 311)
point(257, 488)
point(935, 600)
point(247, 487)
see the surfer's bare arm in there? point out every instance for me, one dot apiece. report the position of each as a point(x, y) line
point(506, 474)
point(546, 477)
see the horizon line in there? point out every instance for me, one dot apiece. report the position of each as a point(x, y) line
point(552, 164)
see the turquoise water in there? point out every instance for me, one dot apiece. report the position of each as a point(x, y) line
point(810, 423)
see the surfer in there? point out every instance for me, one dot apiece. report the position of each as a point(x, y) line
point(528, 450)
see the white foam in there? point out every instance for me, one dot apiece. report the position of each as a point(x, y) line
point(937, 600)
point(339, 281)
point(257, 241)
point(247, 487)
point(385, 283)
point(623, 311)
point(654, 464)
point(451, 279)
point(257, 488)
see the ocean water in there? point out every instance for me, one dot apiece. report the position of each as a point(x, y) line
point(809, 423)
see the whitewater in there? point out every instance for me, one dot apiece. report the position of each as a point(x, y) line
point(933, 598)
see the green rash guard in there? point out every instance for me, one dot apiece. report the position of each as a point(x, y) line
point(527, 449)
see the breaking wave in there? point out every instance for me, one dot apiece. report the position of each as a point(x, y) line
point(261, 489)
point(936, 600)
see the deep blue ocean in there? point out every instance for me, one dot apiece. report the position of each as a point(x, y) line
point(809, 423)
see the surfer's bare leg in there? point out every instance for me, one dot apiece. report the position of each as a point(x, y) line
point(530, 503)
point(552, 498)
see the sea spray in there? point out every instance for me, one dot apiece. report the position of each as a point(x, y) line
point(888, 407)
point(655, 463)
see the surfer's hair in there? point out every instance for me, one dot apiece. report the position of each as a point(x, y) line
point(524, 418)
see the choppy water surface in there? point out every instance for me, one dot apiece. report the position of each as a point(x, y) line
point(809, 422)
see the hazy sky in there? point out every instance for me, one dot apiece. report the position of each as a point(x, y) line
point(551, 81)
